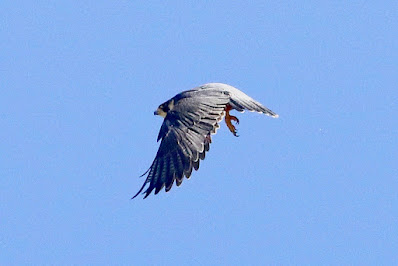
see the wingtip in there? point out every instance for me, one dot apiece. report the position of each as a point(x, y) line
point(141, 189)
point(275, 116)
point(136, 195)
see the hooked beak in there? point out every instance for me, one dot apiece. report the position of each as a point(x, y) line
point(160, 112)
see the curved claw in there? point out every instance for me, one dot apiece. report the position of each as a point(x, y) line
point(234, 118)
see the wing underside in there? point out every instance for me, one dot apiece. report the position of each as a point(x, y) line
point(186, 137)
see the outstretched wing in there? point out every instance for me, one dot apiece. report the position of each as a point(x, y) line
point(240, 101)
point(186, 136)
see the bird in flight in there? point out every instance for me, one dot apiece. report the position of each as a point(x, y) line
point(190, 118)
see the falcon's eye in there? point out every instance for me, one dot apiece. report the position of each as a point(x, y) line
point(165, 108)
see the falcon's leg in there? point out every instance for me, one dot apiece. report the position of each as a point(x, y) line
point(228, 119)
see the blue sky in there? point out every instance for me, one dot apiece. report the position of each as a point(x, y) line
point(80, 81)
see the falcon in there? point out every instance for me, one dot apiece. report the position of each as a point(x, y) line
point(190, 118)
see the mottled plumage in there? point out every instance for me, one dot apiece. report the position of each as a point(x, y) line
point(190, 118)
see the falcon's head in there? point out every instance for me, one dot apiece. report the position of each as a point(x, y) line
point(164, 108)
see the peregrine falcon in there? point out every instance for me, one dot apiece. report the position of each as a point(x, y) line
point(190, 118)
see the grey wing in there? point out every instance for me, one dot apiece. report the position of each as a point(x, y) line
point(240, 101)
point(186, 137)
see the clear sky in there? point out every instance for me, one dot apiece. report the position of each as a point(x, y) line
point(80, 80)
